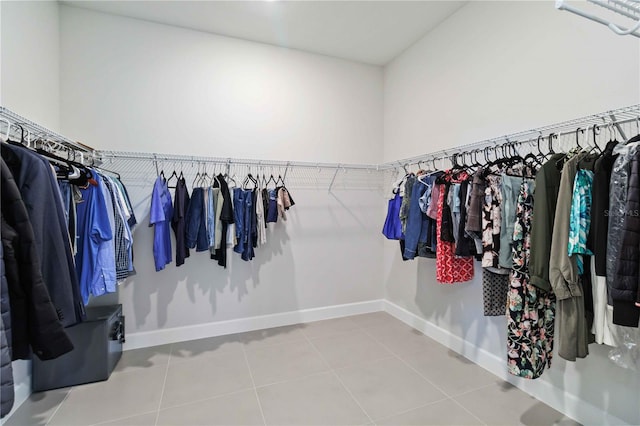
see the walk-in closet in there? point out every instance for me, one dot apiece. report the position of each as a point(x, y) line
point(320, 212)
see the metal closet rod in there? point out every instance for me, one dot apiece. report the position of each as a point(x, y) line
point(119, 155)
point(14, 120)
point(615, 117)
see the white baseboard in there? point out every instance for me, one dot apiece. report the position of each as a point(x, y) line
point(569, 404)
point(242, 325)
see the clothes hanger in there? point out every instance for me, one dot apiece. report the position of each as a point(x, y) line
point(595, 132)
point(637, 137)
point(271, 179)
point(578, 131)
point(173, 175)
point(249, 179)
point(197, 178)
point(541, 155)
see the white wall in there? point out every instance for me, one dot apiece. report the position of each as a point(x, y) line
point(30, 60)
point(495, 68)
point(490, 69)
point(29, 85)
point(133, 85)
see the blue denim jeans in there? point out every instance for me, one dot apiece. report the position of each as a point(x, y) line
point(211, 218)
point(416, 230)
point(196, 222)
point(239, 213)
point(272, 211)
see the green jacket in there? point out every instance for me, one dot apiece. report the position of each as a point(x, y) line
point(544, 212)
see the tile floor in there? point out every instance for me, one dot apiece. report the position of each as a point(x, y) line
point(361, 370)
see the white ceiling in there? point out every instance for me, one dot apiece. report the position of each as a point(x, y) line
point(373, 32)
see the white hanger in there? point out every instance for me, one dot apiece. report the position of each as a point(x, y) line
point(5, 137)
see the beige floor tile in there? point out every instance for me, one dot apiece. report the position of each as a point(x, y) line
point(273, 336)
point(504, 404)
point(449, 371)
point(445, 412)
point(148, 419)
point(401, 339)
point(328, 328)
point(352, 348)
point(123, 395)
point(205, 377)
point(388, 387)
point(374, 319)
point(236, 409)
point(203, 348)
point(137, 359)
point(317, 400)
point(38, 408)
point(285, 361)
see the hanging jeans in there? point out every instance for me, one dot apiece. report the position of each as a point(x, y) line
point(272, 210)
point(416, 230)
point(246, 222)
point(196, 222)
point(211, 217)
point(239, 212)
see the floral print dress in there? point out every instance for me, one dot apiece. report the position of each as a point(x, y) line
point(530, 310)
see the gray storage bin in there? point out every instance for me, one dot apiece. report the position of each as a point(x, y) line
point(97, 349)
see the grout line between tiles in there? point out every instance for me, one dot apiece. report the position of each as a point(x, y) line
point(475, 389)
point(410, 366)
point(255, 390)
point(425, 378)
point(319, 373)
point(164, 384)
point(58, 407)
point(195, 401)
point(411, 409)
point(468, 411)
point(122, 418)
point(335, 374)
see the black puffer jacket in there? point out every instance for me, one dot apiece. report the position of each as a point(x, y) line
point(34, 319)
point(625, 290)
point(6, 370)
point(5, 308)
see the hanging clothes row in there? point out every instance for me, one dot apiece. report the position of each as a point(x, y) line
point(218, 214)
point(66, 236)
point(556, 235)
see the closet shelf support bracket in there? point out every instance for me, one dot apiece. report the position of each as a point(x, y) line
point(334, 178)
point(618, 126)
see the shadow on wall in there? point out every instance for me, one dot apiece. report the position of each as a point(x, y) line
point(200, 275)
point(457, 307)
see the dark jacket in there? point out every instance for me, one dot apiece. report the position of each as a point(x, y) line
point(6, 374)
point(6, 370)
point(600, 207)
point(625, 291)
point(34, 319)
point(41, 196)
point(5, 308)
point(227, 218)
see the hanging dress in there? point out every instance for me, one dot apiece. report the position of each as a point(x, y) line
point(449, 268)
point(530, 310)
